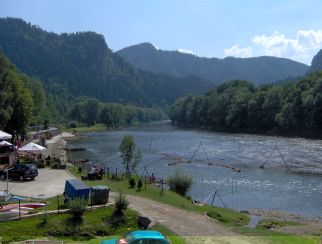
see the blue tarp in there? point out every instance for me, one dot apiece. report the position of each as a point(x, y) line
point(76, 188)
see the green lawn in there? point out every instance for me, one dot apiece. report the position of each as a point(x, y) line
point(275, 237)
point(94, 223)
point(226, 216)
point(94, 227)
point(96, 127)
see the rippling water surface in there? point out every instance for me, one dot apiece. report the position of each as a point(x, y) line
point(297, 189)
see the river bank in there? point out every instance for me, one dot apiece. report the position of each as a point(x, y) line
point(272, 188)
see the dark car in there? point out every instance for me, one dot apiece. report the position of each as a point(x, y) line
point(23, 171)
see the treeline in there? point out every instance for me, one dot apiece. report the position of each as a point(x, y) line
point(89, 111)
point(25, 102)
point(239, 106)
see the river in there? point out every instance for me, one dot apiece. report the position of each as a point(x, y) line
point(296, 188)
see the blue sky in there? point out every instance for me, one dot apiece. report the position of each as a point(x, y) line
point(210, 28)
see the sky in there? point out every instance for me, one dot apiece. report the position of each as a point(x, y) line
point(207, 28)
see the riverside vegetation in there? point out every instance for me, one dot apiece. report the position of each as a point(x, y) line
point(238, 106)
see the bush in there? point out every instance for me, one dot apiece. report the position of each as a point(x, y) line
point(140, 184)
point(40, 165)
point(121, 202)
point(180, 182)
point(132, 183)
point(77, 207)
point(72, 124)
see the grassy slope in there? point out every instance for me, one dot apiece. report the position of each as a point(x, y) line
point(168, 197)
point(227, 217)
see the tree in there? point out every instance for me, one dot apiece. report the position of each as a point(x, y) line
point(90, 111)
point(130, 155)
point(106, 117)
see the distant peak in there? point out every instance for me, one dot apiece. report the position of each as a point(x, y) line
point(146, 45)
point(142, 46)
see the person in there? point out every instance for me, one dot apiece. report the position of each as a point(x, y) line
point(92, 173)
point(152, 178)
point(93, 170)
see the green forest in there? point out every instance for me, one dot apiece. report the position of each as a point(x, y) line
point(288, 108)
point(81, 64)
point(22, 99)
point(24, 102)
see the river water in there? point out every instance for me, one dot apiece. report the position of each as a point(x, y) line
point(296, 188)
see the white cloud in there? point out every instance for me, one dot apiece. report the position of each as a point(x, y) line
point(181, 50)
point(236, 51)
point(301, 48)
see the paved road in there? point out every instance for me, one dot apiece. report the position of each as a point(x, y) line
point(49, 183)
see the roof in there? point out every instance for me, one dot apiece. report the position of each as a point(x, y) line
point(77, 184)
point(146, 234)
point(31, 147)
point(4, 135)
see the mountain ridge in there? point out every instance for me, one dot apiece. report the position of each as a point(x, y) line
point(82, 64)
point(260, 70)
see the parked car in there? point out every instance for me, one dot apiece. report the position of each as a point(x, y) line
point(140, 237)
point(23, 171)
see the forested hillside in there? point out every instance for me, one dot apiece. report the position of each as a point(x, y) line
point(259, 70)
point(81, 64)
point(23, 99)
point(317, 62)
point(239, 106)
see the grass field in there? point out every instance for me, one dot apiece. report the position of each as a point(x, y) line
point(227, 216)
point(94, 223)
point(96, 127)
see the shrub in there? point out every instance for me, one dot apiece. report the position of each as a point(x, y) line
point(72, 124)
point(77, 207)
point(132, 183)
point(44, 220)
point(180, 182)
point(40, 165)
point(139, 184)
point(121, 202)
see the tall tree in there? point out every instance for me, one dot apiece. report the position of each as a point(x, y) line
point(130, 155)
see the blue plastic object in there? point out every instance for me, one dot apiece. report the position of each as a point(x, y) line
point(76, 188)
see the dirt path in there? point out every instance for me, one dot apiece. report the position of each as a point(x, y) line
point(196, 228)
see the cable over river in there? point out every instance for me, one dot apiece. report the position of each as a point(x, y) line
point(290, 181)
